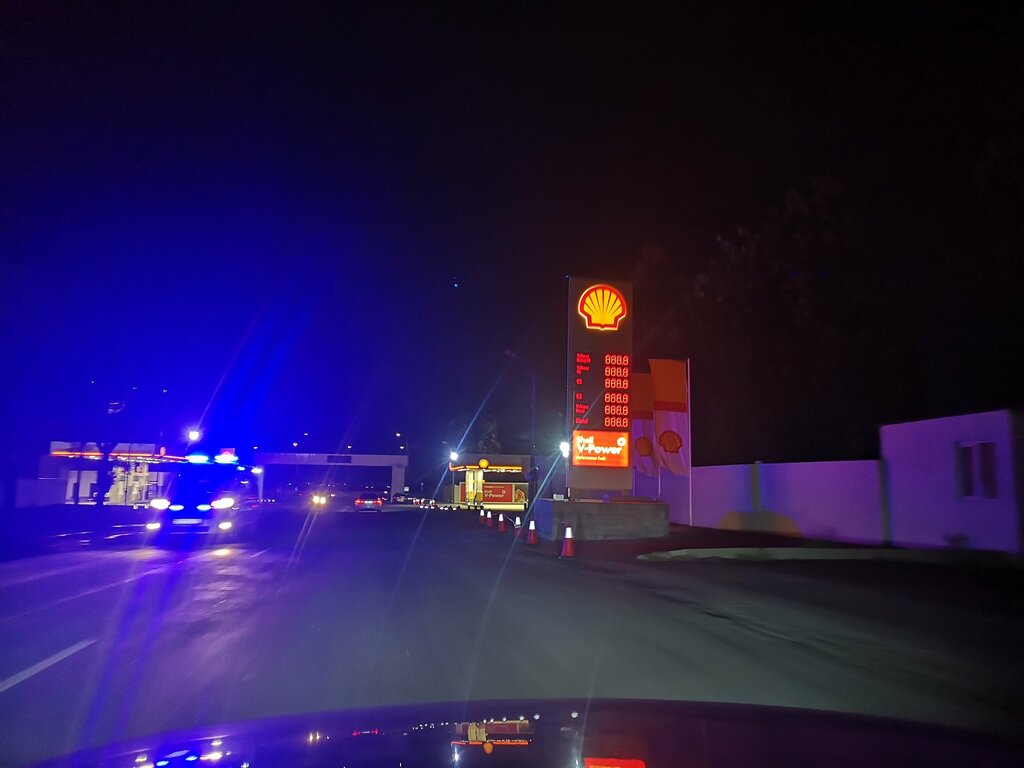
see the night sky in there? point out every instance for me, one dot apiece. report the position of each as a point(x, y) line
point(265, 209)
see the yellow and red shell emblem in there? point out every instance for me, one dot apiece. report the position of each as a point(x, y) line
point(602, 307)
point(644, 447)
point(670, 441)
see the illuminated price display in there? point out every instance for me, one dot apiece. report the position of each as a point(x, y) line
point(616, 395)
point(601, 392)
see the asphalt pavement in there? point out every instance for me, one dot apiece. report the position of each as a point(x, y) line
point(103, 639)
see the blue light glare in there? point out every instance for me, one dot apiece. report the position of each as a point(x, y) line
point(197, 458)
point(162, 763)
point(226, 458)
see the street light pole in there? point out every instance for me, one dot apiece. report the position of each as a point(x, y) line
point(452, 458)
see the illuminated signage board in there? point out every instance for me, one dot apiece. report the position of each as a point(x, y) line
point(602, 307)
point(600, 448)
point(598, 382)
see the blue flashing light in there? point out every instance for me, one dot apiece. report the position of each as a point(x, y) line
point(191, 758)
point(162, 763)
point(226, 458)
point(197, 458)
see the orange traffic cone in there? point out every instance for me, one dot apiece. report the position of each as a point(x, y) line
point(531, 535)
point(518, 526)
point(568, 545)
point(483, 520)
point(501, 523)
point(490, 522)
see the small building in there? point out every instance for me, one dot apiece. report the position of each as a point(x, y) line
point(956, 481)
point(496, 481)
point(70, 474)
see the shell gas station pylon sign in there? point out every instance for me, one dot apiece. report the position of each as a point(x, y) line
point(598, 382)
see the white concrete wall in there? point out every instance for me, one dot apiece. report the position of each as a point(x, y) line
point(831, 500)
point(927, 509)
point(716, 491)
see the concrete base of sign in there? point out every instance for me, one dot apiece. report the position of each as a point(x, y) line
point(596, 520)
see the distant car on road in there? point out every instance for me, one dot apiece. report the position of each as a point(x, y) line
point(321, 500)
point(401, 498)
point(368, 501)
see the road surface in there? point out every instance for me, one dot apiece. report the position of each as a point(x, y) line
point(101, 643)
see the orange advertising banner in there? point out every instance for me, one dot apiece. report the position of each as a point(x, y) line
point(594, 448)
point(645, 458)
point(671, 415)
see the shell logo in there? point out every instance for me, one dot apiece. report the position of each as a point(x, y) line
point(643, 447)
point(602, 307)
point(670, 441)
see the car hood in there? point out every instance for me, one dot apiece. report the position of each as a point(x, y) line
point(563, 733)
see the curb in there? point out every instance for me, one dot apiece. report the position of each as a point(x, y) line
point(926, 556)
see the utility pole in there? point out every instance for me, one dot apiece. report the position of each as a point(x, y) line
point(533, 421)
point(533, 435)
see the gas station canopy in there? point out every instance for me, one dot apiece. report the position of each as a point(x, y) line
point(491, 462)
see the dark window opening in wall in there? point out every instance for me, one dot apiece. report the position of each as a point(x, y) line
point(976, 470)
point(987, 465)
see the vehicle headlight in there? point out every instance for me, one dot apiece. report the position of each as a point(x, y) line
point(224, 525)
point(154, 526)
point(224, 503)
point(160, 504)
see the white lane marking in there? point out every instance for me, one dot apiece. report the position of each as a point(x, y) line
point(35, 669)
point(257, 554)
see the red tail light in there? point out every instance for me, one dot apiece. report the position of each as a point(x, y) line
point(379, 501)
point(359, 502)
